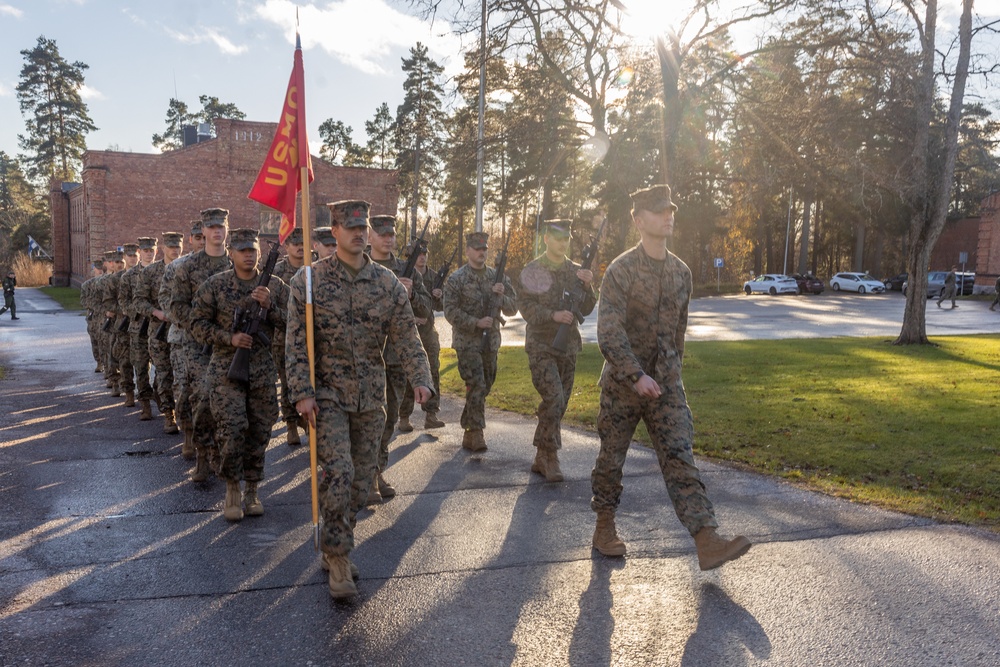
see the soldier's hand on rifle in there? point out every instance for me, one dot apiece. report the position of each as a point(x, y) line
point(646, 386)
point(109, 313)
point(261, 295)
point(159, 314)
point(408, 284)
point(586, 276)
point(563, 317)
point(437, 293)
point(484, 323)
point(422, 394)
point(307, 408)
point(498, 288)
point(242, 340)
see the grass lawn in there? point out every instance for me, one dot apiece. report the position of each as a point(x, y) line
point(913, 429)
point(68, 297)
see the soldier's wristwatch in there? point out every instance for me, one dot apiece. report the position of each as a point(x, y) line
point(634, 377)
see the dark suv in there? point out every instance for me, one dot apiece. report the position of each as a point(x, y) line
point(808, 283)
point(896, 282)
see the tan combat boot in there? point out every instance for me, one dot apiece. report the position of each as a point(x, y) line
point(431, 421)
point(404, 425)
point(384, 488)
point(129, 398)
point(539, 463)
point(606, 537)
point(146, 413)
point(374, 495)
point(339, 580)
point(187, 449)
point(474, 440)
point(292, 434)
point(251, 501)
point(201, 469)
point(116, 390)
point(355, 572)
point(231, 508)
point(714, 550)
point(553, 473)
point(170, 428)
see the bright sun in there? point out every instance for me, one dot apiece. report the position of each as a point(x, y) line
point(647, 18)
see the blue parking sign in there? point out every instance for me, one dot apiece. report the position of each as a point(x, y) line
point(718, 263)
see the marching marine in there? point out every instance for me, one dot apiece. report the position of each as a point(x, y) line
point(285, 269)
point(432, 346)
point(138, 328)
point(88, 294)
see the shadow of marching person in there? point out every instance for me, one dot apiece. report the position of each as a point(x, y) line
point(591, 642)
point(725, 632)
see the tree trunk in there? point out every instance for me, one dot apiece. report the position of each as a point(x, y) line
point(858, 264)
point(804, 243)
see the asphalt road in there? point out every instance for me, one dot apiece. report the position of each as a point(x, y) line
point(109, 556)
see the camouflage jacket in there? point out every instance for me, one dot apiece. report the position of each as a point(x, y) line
point(174, 333)
point(187, 278)
point(540, 294)
point(466, 298)
point(109, 295)
point(354, 319)
point(427, 328)
point(642, 316)
point(214, 309)
point(284, 270)
point(420, 301)
point(126, 296)
point(145, 294)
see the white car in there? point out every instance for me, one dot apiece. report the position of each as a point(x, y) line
point(856, 282)
point(771, 283)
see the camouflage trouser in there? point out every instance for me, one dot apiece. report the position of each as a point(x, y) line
point(182, 392)
point(94, 331)
point(552, 374)
point(288, 412)
point(139, 354)
point(433, 348)
point(395, 385)
point(948, 292)
point(159, 354)
point(478, 371)
point(244, 415)
point(346, 447)
point(671, 430)
point(123, 354)
point(199, 391)
point(106, 340)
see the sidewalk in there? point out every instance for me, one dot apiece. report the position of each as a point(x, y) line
point(109, 556)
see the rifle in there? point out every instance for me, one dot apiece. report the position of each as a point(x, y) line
point(442, 273)
point(248, 320)
point(123, 325)
point(496, 300)
point(108, 321)
point(411, 260)
point(162, 330)
point(573, 297)
point(144, 327)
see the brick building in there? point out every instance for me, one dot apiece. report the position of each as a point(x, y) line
point(127, 195)
point(988, 245)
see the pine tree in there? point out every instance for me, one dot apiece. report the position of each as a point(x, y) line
point(178, 117)
point(56, 118)
point(380, 130)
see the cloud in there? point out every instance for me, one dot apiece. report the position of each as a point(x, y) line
point(203, 34)
point(5, 91)
point(364, 34)
point(988, 8)
point(88, 93)
point(10, 10)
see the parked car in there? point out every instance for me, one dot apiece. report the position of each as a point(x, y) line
point(896, 282)
point(807, 282)
point(964, 281)
point(856, 282)
point(771, 283)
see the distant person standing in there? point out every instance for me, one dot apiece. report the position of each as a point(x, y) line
point(641, 321)
point(9, 283)
point(949, 288)
point(996, 292)
point(88, 290)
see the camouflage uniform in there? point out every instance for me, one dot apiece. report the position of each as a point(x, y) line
point(188, 277)
point(116, 342)
point(432, 346)
point(284, 270)
point(466, 299)
point(540, 294)
point(88, 299)
point(138, 346)
point(244, 413)
point(355, 317)
point(178, 351)
point(641, 321)
point(395, 378)
point(146, 299)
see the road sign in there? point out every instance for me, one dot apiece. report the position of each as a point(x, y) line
point(719, 264)
point(963, 257)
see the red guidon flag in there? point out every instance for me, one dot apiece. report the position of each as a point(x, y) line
point(280, 177)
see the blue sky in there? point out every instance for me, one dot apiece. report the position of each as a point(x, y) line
point(143, 52)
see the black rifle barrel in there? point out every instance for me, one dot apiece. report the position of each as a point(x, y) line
point(248, 321)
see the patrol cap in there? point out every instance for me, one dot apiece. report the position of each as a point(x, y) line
point(349, 213)
point(383, 224)
point(195, 227)
point(295, 237)
point(214, 217)
point(655, 199)
point(243, 239)
point(324, 235)
point(113, 256)
point(99, 263)
point(131, 248)
point(173, 239)
point(478, 240)
point(559, 227)
point(147, 243)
